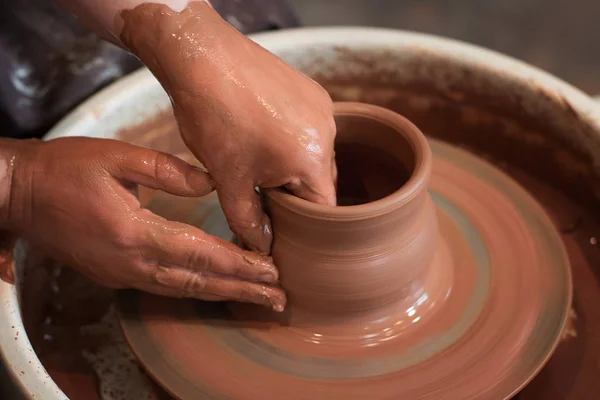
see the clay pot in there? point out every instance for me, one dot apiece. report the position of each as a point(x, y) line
point(376, 246)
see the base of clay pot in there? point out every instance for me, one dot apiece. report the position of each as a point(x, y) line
point(438, 292)
point(504, 293)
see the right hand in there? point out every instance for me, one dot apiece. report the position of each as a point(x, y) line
point(247, 116)
point(74, 198)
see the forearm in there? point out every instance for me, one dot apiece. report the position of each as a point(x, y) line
point(103, 16)
point(164, 34)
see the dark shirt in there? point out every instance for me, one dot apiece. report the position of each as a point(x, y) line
point(49, 62)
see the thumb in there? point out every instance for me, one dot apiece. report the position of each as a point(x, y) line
point(158, 170)
point(318, 187)
point(243, 209)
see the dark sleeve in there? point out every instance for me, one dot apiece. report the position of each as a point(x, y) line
point(49, 63)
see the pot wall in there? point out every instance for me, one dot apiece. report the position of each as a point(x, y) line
point(458, 92)
point(377, 248)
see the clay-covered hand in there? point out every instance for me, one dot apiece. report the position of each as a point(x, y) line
point(76, 199)
point(252, 120)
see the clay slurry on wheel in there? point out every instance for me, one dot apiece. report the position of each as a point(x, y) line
point(489, 321)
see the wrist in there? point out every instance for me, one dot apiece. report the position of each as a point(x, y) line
point(174, 44)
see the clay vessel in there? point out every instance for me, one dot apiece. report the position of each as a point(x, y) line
point(376, 246)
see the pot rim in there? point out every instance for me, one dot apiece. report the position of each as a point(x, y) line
point(416, 184)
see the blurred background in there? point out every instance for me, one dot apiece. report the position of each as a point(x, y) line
point(50, 63)
point(562, 37)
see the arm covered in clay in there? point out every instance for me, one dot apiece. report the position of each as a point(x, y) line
point(252, 120)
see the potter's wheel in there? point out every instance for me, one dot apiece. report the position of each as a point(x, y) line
point(486, 337)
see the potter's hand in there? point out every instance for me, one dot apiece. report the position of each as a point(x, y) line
point(74, 197)
point(252, 120)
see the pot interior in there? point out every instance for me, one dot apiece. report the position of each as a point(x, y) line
point(373, 159)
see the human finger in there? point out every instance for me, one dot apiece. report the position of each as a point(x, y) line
point(174, 243)
point(318, 186)
point(246, 217)
point(158, 170)
point(175, 281)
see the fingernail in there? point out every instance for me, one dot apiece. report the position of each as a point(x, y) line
point(267, 272)
point(200, 181)
point(268, 277)
point(277, 303)
point(274, 297)
point(259, 237)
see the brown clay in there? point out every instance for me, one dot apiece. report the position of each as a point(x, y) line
point(376, 249)
point(479, 315)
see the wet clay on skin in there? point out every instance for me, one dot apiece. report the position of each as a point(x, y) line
point(230, 94)
point(193, 52)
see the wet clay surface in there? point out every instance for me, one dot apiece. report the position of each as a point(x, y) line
point(196, 57)
point(570, 374)
point(478, 125)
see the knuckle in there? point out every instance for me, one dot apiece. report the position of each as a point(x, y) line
point(198, 259)
point(164, 167)
point(294, 183)
point(181, 281)
point(139, 267)
point(127, 236)
point(240, 224)
point(193, 283)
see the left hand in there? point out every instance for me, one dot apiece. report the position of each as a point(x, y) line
point(75, 198)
